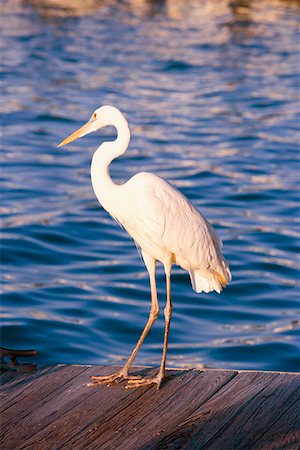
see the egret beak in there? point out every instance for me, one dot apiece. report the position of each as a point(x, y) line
point(82, 131)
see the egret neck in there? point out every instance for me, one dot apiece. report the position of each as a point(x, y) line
point(104, 187)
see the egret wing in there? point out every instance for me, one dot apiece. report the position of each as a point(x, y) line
point(162, 218)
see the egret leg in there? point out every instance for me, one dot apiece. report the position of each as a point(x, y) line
point(168, 313)
point(122, 375)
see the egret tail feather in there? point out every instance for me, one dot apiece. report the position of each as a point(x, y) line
point(207, 281)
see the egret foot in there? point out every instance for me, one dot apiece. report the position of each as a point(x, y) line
point(144, 382)
point(115, 378)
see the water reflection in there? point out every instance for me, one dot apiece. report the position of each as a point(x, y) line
point(66, 8)
point(244, 12)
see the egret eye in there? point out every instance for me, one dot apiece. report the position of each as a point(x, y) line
point(94, 115)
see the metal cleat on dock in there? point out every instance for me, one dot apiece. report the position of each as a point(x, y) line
point(8, 360)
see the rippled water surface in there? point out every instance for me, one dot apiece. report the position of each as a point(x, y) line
point(210, 91)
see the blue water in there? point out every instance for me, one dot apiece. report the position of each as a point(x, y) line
point(210, 91)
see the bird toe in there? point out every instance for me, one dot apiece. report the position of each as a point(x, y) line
point(132, 384)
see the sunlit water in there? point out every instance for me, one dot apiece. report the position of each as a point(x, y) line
point(210, 92)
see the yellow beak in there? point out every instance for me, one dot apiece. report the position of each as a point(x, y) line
point(82, 131)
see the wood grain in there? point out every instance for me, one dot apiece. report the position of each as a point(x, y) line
point(82, 410)
point(181, 396)
point(212, 409)
point(14, 385)
point(284, 432)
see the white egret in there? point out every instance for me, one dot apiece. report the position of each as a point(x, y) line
point(164, 225)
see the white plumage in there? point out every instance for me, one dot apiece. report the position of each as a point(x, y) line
point(166, 225)
point(163, 223)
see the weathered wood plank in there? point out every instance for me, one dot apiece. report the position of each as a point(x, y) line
point(284, 433)
point(85, 411)
point(6, 377)
point(49, 384)
point(68, 411)
point(17, 383)
point(74, 422)
point(211, 419)
point(259, 413)
point(212, 409)
point(12, 378)
point(173, 403)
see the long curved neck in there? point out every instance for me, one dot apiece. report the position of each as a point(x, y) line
point(103, 185)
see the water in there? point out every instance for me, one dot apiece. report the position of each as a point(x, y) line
point(210, 91)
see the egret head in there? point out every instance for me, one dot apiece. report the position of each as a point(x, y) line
point(106, 115)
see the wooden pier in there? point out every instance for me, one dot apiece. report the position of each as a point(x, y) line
point(213, 409)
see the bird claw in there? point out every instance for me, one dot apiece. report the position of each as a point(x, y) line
point(132, 384)
point(115, 378)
